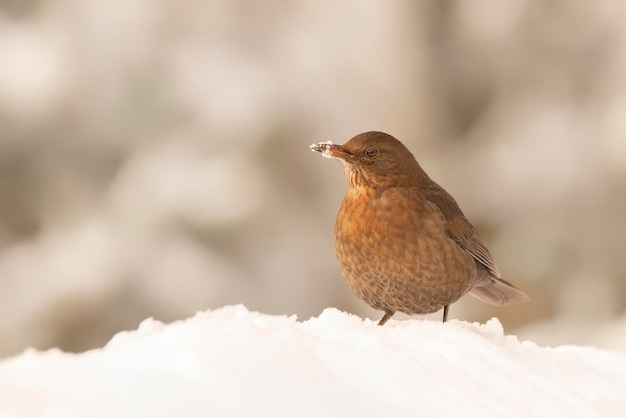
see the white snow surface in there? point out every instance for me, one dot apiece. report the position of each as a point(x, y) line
point(235, 363)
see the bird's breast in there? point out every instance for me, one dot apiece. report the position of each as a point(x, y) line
point(394, 252)
point(385, 229)
point(393, 213)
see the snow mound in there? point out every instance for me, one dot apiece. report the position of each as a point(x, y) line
point(235, 363)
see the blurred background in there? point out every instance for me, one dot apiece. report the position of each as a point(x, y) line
point(154, 156)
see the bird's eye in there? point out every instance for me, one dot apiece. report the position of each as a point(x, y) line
point(371, 152)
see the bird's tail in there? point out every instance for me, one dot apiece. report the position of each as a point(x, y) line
point(498, 292)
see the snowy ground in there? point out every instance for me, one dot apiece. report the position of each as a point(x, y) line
point(235, 363)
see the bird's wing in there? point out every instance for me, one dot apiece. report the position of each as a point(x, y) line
point(459, 228)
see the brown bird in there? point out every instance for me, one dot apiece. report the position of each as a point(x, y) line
point(402, 242)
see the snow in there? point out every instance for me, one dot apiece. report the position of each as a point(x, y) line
point(326, 145)
point(235, 363)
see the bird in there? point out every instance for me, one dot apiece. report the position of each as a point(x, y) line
point(402, 242)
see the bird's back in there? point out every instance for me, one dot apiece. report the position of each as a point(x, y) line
point(489, 285)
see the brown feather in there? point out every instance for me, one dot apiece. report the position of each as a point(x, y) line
point(459, 228)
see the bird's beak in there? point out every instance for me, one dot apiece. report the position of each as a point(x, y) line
point(330, 150)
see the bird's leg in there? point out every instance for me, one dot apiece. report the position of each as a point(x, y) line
point(385, 318)
point(445, 313)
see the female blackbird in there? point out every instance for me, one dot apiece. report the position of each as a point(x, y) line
point(402, 242)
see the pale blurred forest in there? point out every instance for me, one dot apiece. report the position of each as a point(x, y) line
point(154, 156)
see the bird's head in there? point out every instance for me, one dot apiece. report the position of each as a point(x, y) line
point(374, 159)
